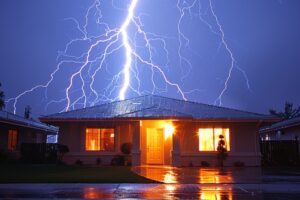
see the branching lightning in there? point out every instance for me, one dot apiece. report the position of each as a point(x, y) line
point(137, 47)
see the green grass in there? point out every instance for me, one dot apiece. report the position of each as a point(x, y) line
point(21, 173)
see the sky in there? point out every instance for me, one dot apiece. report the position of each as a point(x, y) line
point(191, 44)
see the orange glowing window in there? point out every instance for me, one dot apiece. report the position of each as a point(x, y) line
point(97, 139)
point(12, 140)
point(209, 138)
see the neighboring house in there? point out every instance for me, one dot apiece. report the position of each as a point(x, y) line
point(15, 130)
point(283, 130)
point(162, 131)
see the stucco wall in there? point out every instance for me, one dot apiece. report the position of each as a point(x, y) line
point(244, 143)
point(72, 134)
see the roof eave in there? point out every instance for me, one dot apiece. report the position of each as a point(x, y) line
point(270, 129)
point(16, 123)
point(45, 119)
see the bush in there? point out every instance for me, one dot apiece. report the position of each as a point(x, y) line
point(222, 151)
point(98, 161)
point(78, 162)
point(126, 148)
point(205, 164)
point(4, 155)
point(239, 164)
point(61, 151)
point(118, 160)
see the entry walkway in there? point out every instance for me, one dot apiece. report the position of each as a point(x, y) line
point(195, 175)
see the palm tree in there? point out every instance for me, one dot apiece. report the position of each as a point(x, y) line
point(288, 113)
point(27, 112)
point(2, 102)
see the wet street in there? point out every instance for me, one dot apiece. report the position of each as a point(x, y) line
point(177, 183)
point(151, 191)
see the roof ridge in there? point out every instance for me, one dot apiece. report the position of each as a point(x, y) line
point(206, 104)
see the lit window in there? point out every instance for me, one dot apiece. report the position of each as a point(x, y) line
point(206, 138)
point(99, 139)
point(209, 138)
point(12, 140)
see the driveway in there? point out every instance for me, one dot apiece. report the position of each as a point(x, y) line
point(195, 175)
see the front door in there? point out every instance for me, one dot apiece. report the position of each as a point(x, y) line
point(155, 146)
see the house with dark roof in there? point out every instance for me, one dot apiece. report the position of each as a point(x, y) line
point(163, 131)
point(15, 130)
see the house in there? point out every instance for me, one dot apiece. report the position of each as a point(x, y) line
point(15, 130)
point(282, 131)
point(163, 131)
point(280, 142)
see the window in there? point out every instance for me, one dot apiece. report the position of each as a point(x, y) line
point(209, 138)
point(12, 140)
point(97, 139)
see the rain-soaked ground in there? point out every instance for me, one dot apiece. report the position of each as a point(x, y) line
point(196, 175)
point(179, 183)
point(151, 191)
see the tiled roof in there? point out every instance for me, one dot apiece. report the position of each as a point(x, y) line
point(281, 125)
point(10, 118)
point(152, 106)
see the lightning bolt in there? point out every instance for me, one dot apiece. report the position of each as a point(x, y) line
point(127, 65)
point(138, 47)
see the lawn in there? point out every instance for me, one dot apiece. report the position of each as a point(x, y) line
point(68, 174)
point(282, 171)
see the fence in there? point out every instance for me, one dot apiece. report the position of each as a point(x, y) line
point(283, 152)
point(42, 152)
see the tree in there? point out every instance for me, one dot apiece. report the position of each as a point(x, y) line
point(288, 113)
point(222, 151)
point(27, 112)
point(2, 102)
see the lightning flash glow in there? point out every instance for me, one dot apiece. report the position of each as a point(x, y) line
point(116, 60)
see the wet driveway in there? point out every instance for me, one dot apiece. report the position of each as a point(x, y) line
point(179, 183)
point(193, 175)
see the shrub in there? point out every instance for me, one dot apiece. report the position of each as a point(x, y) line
point(78, 162)
point(3, 156)
point(239, 164)
point(205, 164)
point(98, 161)
point(222, 151)
point(118, 160)
point(61, 151)
point(126, 148)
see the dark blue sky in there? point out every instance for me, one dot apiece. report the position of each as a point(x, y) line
point(262, 35)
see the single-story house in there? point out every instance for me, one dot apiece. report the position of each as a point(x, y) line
point(163, 131)
point(15, 130)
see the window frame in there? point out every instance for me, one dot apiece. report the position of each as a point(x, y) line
point(228, 147)
point(12, 140)
point(100, 138)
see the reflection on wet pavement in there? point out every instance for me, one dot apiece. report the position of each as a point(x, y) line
point(168, 174)
point(151, 191)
